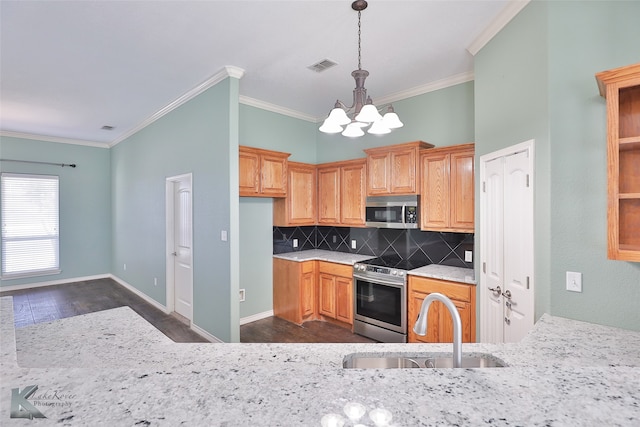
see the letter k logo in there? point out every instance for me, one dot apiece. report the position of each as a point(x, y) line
point(21, 407)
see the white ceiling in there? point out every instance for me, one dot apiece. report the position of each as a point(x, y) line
point(69, 67)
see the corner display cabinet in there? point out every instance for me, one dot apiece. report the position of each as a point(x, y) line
point(621, 88)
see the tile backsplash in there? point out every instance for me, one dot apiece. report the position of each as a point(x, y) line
point(419, 247)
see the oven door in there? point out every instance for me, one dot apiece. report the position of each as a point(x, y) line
point(381, 303)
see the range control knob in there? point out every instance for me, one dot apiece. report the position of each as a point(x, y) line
point(394, 272)
point(401, 273)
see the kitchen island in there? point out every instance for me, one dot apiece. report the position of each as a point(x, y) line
point(92, 371)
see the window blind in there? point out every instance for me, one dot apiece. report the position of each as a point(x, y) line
point(30, 225)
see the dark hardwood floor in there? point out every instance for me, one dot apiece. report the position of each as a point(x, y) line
point(47, 303)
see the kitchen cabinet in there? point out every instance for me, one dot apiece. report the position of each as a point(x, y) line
point(621, 88)
point(439, 322)
point(294, 290)
point(393, 170)
point(300, 205)
point(263, 173)
point(341, 193)
point(335, 291)
point(447, 189)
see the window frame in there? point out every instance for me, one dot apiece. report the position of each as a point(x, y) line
point(4, 239)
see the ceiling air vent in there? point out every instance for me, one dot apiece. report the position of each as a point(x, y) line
point(107, 127)
point(322, 65)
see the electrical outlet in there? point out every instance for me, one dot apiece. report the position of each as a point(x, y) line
point(295, 243)
point(242, 295)
point(335, 239)
point(468, 256)
point(574, 281)
point(124, 267)
point(155, 281)
point(353, 244)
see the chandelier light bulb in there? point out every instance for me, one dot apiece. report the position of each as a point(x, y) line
point(368, 114)
point(339, 117)
point(391, 119)
point(329, 126)
point(379, 128)
point(353, 130)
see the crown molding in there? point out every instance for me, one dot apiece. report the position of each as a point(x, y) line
point(276, 109)
point(227, 71)
point(509, 12)
point(426, 88)
point(54, 139)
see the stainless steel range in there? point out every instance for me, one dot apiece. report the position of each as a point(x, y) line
point(380, 303)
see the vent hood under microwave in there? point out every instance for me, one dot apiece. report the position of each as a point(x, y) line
point(393, 212)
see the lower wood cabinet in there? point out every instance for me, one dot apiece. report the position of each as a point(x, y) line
point(439, 322)
point(294, 290)
point(312, 290)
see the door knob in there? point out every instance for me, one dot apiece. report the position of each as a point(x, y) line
point(507, 294)
point(174, 253)
point(496, 290)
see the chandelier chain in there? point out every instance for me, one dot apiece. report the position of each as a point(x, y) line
point(359, 49)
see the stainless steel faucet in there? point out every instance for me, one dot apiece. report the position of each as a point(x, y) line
point(420, 327)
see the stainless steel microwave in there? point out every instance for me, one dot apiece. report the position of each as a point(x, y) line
point(393, 212)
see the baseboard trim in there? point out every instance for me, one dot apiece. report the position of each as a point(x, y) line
point(53, 282)
point(142, 295)
point(254, 317)
point(204, 334)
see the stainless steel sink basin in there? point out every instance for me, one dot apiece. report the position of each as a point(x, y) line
point(389, 361)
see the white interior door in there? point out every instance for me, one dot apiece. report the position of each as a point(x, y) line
point(506, 223)
point(180, 233)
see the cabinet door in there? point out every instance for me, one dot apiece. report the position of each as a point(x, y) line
point(461, 201)
point(344, 299)
point(353, 199)
point(327, 295)
point(403, 171)
point(445, 330)
point(329, 196)
point(379, 173)
point(249, 165)
point(300, 205)
point(415, 304)
point(434, 209)
point(273, 180)
point(307, 294)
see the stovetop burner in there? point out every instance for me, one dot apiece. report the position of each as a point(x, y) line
point(395, 262)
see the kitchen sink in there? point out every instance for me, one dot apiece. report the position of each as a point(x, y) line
point(390, 361)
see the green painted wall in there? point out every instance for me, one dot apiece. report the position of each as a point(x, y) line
point(512, 107)
point(85, 204)
point(194, 138)
point(602, 35)
point(442, 117)
point(535, 79)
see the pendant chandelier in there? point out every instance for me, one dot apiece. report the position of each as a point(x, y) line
point(362, 112)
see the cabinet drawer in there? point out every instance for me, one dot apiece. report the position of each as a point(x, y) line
point(307, 267)
point(455, 291)
point(335, 269)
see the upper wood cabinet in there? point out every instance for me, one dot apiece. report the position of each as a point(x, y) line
point(263, 173)
point(300, 205)
point(439, 321)
point(393, 170)
point(621, 88)
point(447, 189)
point(341, 193)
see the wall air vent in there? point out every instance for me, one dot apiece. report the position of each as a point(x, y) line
point(322, 65)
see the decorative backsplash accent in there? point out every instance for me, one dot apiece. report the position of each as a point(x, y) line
point(419, 247)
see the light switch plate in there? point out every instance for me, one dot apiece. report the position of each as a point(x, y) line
point(223, 235)
point(468, 256)
point(353, 244)
point(574, 281)
point(295, 243)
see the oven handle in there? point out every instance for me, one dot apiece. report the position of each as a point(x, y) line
point(380, 281)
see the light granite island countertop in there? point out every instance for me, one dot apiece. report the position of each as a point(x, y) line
point(92, 372)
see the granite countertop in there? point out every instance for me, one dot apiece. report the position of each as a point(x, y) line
point(444, 272)
point(322, 255)
point(435, 271)
point(90, 371)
